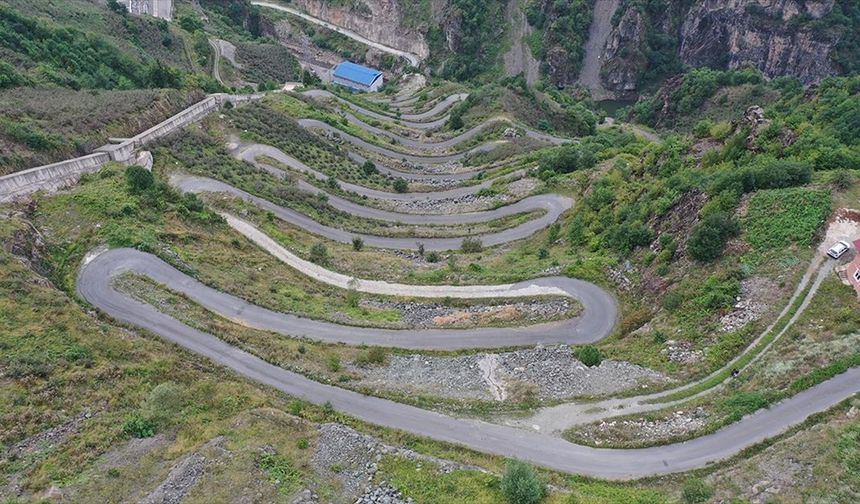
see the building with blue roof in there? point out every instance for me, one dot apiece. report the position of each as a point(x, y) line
point(357, 77)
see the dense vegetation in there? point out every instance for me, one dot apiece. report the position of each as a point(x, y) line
point(560, 36)
point(475, 49)
point(268, 62)
point(46, 53)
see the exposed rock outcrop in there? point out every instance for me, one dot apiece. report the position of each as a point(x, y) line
point(382, 21)
point(774, 36)
point(623, 57)
point(760, 33)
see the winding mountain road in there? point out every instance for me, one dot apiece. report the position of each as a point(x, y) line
point(95, 286)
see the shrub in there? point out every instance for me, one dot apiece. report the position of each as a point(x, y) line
point(400, 185)
point(357, 243)
point(433, 257)
point(139, 179)
point(521, 485)
point(139, 427)
point(164, 401)
point(710, 236)
point(374, 356)
point(566, 159)
point(743, 403)
point(334, 364)
point(717, 293)
point(696, 491)
point(767, 174)
point(471, 246)
point(319, 254)
point(368, 168)
point(589, 355)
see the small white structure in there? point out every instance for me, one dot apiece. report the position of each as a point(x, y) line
point(157, 8)
point(357, 77)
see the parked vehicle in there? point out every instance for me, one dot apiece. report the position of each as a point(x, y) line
point(838, 249)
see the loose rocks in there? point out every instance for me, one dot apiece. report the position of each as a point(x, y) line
point(433, 315)
point(555, 372)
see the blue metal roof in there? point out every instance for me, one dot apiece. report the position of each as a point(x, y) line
point(356, 73)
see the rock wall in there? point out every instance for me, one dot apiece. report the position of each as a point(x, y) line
point(765, 34)
point(760, 33)
point(377, 20)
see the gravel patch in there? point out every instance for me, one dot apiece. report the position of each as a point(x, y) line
point(455, 204)
point(554, 371)
point(435, 315)
point(182, 477)
point(683, 352)
point(751, 305)
point(352, 457)
point(679, 423)
point(383, 494)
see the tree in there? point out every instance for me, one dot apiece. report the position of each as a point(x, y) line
point(710, 236)
point(139, 179)
point(400, 185)
point(319, 254)
point(521, 485)
point(696, 491)
point(117, 7)
point(368, 168)
point(471, 245)
point(357, 243)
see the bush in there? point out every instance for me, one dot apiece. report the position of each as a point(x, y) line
point(400, 185)
point(139, 179)
point(374, 356)
point(767, 174)
point(368, 168)
point(471, 246)
point(139, 427)
point(433, 257)
point(710, 236)
point(589, 355)
point(566, 159)
point(521, 485)
point(319, 254)
point(357, 243)
point(696, 491)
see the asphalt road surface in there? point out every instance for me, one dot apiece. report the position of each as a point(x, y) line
point(94, 285)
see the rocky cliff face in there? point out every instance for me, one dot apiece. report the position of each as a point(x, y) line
point(775, 36)
point(623, 57)
point(378, 20)
point(761, 33)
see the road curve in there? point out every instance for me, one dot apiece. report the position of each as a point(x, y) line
point(412, 158)
point(94, 285)
point(413, 59)
point(418, 121)
point(251, 152)
point(553, 205)
point(595, 323)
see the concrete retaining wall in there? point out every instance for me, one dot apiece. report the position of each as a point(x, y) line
point(58, 175)
point(50, 177)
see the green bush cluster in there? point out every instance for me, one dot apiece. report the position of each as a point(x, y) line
point(589, 355)
point(521, 485)
point(710, 236)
